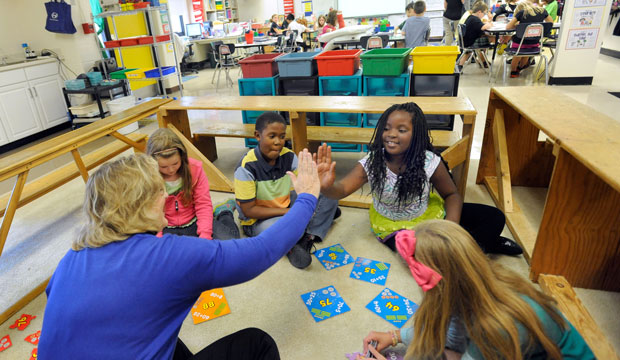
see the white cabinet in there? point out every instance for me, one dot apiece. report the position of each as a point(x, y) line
point(18, 111)
point(49, 99)
point(31, 101)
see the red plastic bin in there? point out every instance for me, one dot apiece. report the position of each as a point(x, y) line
point(338, 62)
point(112, 43)
point(129, 41)
point(162, 38)
point(145, 40)
point(259, 66)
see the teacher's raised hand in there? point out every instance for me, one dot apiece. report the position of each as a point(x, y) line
point(307, 178)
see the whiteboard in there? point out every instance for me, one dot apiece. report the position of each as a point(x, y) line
point(360, 8)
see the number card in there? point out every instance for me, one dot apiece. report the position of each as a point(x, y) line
point(210, 305)
point(375, 272)
point(324, 303)
point(393, 307)
point(333, 256)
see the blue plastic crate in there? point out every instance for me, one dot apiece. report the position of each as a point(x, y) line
point(165, 70)
point(259, 86)
point(341, 119)
point(341, 85)
point(338, 147)
point(250, 116)
point(297, 64)
point(251, 143)
point(371, 120)
point(387, 85)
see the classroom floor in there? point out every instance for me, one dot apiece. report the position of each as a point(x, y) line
point(272, 301)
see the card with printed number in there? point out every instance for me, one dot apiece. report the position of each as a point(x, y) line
point(324, 303)
point(210, 305)
point(333, 257)
point(373, 271)
point(393, 307)
point(5, 343)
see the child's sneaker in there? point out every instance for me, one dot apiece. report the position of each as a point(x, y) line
point(300, 256)
point(228, 205)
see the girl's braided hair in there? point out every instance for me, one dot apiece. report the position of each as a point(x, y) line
point(412, 177)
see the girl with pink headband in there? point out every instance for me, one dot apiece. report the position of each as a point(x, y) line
point(473, 305)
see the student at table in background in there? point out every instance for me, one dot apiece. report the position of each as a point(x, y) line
point(506, 9)
point(274, 30)
point(410, 183)
point(552, 8)
point(409, 12)
point(301, 26)
point(331, 20)
point(471, 304)
point(188, 205)
point(525, 13)
point(287, 21)
point(320, 24)
point(453, 11)
point(474, 31)
point(263, 190)
point(417, 27)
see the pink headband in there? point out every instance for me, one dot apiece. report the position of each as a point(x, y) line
point(426, 277)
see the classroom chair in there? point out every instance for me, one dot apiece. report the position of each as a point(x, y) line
point(226, 60)
point(532, 31)
point(368, 42)
point(472, 49)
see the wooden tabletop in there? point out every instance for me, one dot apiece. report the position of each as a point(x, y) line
point(346, 104)
point(590, 136)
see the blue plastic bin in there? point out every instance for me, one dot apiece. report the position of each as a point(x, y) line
point(338, 147)
point(165, 70)
point(384, 86)
point(251, 143)
point(258, 86)
point(341, 119)
point(297, 64)
point(341, 85)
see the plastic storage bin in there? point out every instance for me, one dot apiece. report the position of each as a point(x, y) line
point(145, 40)
point(94, 77)
point(386, 85)
point(297, 64)
point(338, 62)
point(338, 147)
point(162, 38)
point(301, 86)
point(129, 41)
point(341, 119)
point(384, 62)
point(137, 74)
point(434, 84)
point(259, 66)
point(75, 84)
point(112, 43)
point(434, 59)
point(165, 70)
point(259, 86)
point(120, 74)
point(341, 86)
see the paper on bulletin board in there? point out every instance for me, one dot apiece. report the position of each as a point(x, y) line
point(434, 5)
point(307, 6)
point(582, 39)
point(169, 48)
point(587, 18)
point(587, 3)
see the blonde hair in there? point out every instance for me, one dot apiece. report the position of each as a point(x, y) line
point(119, 201)
point(302, 21)
point(164, 143)
point(324, 20)
point(528, 9)
point(486, 296)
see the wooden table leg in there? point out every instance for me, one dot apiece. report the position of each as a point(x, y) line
point(178, 118)
point(469, 122)
point(140, 146)
point(502, 167)
point(579, 235)
point(299, 132)
point(80, 164)
point(9, 214)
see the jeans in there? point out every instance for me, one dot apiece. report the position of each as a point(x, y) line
point(318, 226)
point(449, 29)
point(224, 228)
point(247, 344)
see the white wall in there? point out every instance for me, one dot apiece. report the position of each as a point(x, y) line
point(261, 10)
point(23, 21)
point(177, 8)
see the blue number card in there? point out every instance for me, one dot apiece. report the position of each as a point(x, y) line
point(373, 271)
point(333, 256)
point(324, 303)
point(393, 307)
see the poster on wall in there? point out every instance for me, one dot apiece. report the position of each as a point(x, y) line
point(165, 26)
point(587, 18)
point(588, 3)
point(307, 6)
point(289, 6)
point(582, 39)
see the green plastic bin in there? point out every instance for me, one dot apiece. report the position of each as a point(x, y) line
point(121, 74)
point(391, 62)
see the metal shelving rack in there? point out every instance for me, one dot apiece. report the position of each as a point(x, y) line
point(154, 46)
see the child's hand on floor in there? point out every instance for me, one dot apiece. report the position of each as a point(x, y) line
point(325, 166)
point(307, 179)
point(383, 339)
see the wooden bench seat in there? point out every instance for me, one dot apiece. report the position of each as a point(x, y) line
point(59, 177)
point(347, 135)
point(572, 308)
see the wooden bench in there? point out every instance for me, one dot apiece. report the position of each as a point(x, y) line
point(19, 164)
point(574, 311)
point(175, 115)
point(577, 162)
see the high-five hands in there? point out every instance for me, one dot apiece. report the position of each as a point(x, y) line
point(307, 178)
point(325, 166)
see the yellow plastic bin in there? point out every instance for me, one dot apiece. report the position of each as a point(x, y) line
point(434, 59)
point(137, 74)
